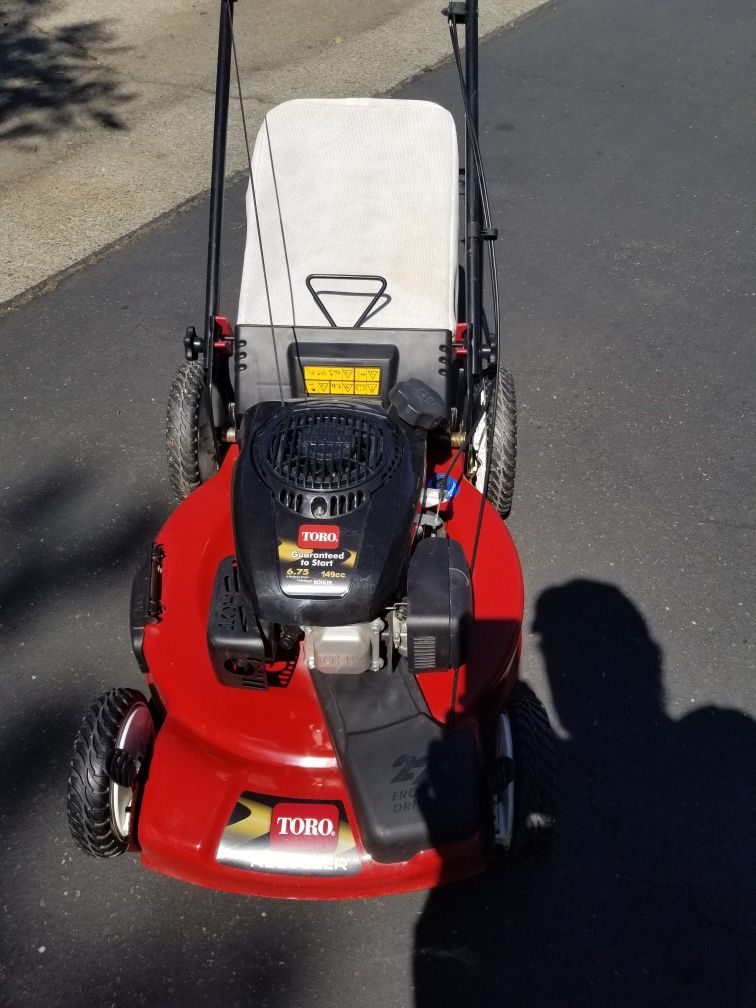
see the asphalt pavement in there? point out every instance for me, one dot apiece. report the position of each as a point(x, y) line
point(620, 148)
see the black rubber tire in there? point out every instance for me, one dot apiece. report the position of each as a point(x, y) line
point(188, 434)
point(534, 750)
point(88, 804)
point(502, 456)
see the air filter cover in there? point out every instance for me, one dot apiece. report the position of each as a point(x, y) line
point(325, 461)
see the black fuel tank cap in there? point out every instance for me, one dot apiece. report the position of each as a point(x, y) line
point(417, 404)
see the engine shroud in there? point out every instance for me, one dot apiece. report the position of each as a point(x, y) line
point(324, 497)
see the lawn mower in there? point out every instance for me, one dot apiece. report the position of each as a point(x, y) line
point(329, 623)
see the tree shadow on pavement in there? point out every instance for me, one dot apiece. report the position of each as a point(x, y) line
point(57, 79)
point(60, 576)
point(51, 554)
point(650, 894)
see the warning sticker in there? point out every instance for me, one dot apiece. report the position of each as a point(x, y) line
point(348, 381)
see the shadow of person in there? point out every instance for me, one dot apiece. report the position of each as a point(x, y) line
point(650, 893)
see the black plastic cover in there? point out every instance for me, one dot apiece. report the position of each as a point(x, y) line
point(415, 784)
point(266, 367)
point(439, 605)
point(145, 606)
point(417, 404)
point(234, 637)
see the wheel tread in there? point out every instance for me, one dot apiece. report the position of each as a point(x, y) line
point(88, 802)
point(535, 755)
point(503, 445)
point(182, 429)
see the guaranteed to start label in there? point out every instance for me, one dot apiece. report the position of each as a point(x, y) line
point(350, 381)
point(316, 564)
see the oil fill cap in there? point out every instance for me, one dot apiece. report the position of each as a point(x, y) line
point(417, 404)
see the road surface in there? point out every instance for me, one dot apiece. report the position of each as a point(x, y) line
point(620, 144)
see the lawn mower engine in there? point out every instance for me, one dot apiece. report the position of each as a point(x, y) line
point(325, 503)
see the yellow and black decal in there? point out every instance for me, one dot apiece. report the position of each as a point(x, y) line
point(289, 836)
point(326, 368)
point(315, 569)
point(342, 381)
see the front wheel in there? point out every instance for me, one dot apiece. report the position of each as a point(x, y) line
point(525, 772)
point(534, 746)
point(114, 740)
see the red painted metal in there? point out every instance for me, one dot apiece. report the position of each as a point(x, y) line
point(218, 742)
point(459, 342)
point(224, 335)
point(225, 327)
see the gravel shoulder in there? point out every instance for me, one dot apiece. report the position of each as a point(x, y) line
point(106, 121)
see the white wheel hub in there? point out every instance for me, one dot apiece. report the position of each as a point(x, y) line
point(503, 803)
point(135, 738)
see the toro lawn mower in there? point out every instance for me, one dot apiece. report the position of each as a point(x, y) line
point(330, 622)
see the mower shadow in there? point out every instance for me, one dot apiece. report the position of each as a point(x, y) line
point(53, 80)
point(650, 893)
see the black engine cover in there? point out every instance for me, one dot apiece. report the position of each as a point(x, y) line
point(324, 498)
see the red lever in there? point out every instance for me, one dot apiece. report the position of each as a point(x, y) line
point(226, 341)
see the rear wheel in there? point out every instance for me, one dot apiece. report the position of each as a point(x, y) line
point(190, 445)
point(114, 739)
point(494, 445)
